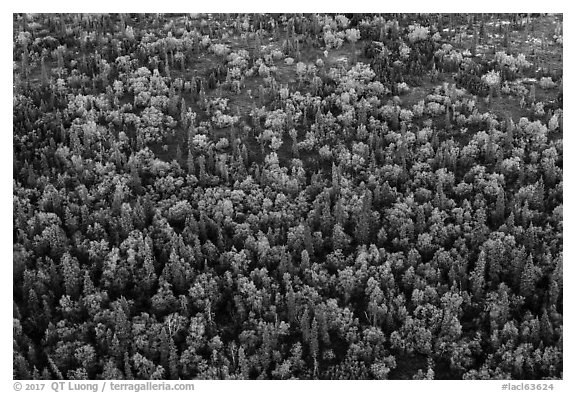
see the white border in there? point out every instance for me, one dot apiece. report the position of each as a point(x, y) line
point(6, 383)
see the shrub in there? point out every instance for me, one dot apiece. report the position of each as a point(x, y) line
point(546, 83)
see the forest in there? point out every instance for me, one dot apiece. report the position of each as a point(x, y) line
point(287, 196)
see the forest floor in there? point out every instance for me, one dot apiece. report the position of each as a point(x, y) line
point(536, 40)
